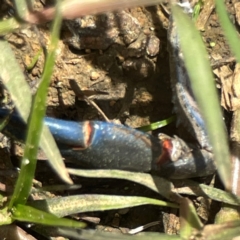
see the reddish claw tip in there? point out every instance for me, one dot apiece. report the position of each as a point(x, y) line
point(167, 148)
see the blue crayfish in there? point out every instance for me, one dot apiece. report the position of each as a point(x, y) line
point(101, 145)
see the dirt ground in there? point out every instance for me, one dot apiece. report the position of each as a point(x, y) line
point(123, 59)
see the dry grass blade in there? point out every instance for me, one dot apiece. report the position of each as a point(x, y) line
point(74, 8)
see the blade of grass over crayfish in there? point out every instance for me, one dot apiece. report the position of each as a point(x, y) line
point(160, 185)
point(64, 206)
point(13, 79)
point(163, 186)
point(25, 213)
point(35, 123)
point(202, 82)
point(229, 30)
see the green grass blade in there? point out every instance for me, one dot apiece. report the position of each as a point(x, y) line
point(64, 206)
point(53, 153)
point(229, 30)
point(104, 235)
point(163, 186)
point(29, 214)
point(34, 60)
point(189, 187)
point(22, 7)
point(189, 219)
point(196, 10)
point(202, 82)
point(5, 217)
point(8, 25)
point(157, 125)
point(160, 185)
point(29, 160)
point(4, 122)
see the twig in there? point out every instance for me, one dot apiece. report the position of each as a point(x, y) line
point(85, 94)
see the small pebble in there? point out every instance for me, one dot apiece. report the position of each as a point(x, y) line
point(153, 46)
point(94, 75)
